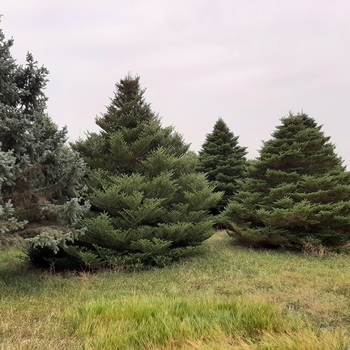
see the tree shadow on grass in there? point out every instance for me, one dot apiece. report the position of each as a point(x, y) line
point(18, 277)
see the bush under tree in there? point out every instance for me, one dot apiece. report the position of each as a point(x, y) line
point(297, 194)
point(149, 205)
point(223, 160)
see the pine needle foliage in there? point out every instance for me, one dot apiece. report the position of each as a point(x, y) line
point(130, 130)
point(223, 160)
point(37, 169)
point(128, 107)
point(149, 205)
point(297, 193)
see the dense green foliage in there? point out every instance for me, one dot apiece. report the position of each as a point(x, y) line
point(152, 199)
point(223, 160)
point(130, 131)
point(152, 208)
point(38, 173)
point(297, 192)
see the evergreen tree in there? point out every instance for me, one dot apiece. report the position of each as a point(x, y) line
point(130, 130)
point(223, 160)
point(36, 168)
point(128, 107)
point(151, 207)
point(297, 192)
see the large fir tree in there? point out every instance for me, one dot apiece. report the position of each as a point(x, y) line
point(297, 192)
point(223, 160)
point(128, 107)
point(38, 173)
point(130, 130)
point(151, 207)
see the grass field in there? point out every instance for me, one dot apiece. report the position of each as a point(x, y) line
point(226, 298)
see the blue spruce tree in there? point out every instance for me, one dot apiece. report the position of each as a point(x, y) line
point(39, 175)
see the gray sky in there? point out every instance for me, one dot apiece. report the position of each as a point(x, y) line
point(247, 61)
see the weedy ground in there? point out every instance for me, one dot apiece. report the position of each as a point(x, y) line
point(226, 298)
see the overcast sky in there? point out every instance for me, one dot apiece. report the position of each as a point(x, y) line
point(247, 61)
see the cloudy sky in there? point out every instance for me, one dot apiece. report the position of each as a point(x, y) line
point(247, 61)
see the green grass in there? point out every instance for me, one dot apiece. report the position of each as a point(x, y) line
point(227, 298)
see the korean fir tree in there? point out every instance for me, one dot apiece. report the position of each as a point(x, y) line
point(297, 193)
point(223, 160)
point(39, 175)
point(149, 205)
